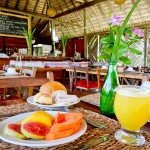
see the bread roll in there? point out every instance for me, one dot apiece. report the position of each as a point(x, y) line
point(43, 99)
point(51, 88)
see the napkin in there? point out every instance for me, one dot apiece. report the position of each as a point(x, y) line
point(104, 67)
point(146, 84)
point(63, 98)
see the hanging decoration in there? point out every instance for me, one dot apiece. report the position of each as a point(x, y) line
point(119, 2)
point(51, 11)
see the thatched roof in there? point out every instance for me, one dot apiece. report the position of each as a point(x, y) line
point(70, 14)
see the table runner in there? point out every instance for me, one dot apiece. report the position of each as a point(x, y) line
point(93, 99)
point(92, 133)
point(12, 77)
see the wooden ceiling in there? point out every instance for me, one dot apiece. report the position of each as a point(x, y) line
point(70, 14)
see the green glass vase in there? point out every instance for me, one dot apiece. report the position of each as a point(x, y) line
point(107, 94)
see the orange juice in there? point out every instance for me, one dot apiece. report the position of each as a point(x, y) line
point(132, 107)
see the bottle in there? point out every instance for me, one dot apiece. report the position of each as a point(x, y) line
point(107, 94)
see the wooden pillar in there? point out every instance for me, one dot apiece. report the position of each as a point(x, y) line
point(146, 44)
point(30, 29)
point(52, 34)
point(86, 53)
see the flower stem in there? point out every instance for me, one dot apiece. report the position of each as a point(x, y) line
point(121, 31)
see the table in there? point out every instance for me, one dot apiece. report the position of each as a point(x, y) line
point(92, 132)
point(21, 81)
point(145, 69)
point(123, 75)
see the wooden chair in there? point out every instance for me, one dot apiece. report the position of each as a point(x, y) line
point(50, 75)
point(2, 90)
point(25, 90)
point(99, 79)
point(82, 80)
point(28, 71)
point(71, 78)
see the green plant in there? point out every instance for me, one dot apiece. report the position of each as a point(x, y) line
point(114, 46)
point(29, 35)
point(64, 39)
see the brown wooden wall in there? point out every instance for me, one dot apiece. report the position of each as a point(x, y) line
point(72, 45)
point(9, 45)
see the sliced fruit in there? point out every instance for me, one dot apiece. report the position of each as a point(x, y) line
point(62, 117)
point(35, 130)
point(14, 129)
point(39, 116)
point(62, 134)
point(66, 121)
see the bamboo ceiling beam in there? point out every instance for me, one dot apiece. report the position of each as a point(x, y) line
point(26, 13)
point(6, 4)
point(34, 14)
point(143, 26)
point(42, 9)
point(25, 8)
point(37, 23)
point(37, 1)
point(88, 4)
point(17, 4)
point(72, 3)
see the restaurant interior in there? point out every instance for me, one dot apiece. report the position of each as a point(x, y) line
point(75, 74)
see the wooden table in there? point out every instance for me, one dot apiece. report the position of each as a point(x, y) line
point(92, 133)
point(145, 69)
point(21, 81)
point(123, 75)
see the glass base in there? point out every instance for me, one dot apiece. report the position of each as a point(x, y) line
point(128, 137)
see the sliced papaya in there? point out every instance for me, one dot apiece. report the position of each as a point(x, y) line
point(59, 118)
point(62, 134)
point(62, 117)
point(71, 120)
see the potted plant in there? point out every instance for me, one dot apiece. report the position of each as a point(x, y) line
point(29, 35)
point(64, 39)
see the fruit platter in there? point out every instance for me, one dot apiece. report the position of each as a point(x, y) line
point(42, 128)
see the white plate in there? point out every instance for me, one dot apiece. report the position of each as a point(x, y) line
point(10, 74)
point(31, 101)
point(37, 143)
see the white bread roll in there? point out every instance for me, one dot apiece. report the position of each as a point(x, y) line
point(49, 91)
point(43, 99)
point(52, 88)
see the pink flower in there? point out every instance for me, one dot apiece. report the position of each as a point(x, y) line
point(138, 32)
point(115, 20)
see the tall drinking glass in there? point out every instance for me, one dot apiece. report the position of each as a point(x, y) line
point(132, 109)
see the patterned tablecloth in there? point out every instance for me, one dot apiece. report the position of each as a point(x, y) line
point(92, 132)
point(93, 99)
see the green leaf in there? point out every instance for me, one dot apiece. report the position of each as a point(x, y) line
point(107, 48)
point(128, 30)
point(105, 40)
point(29, 36)
point(111, 35)
point(123, 47)
point(122, 28)
point(135, 51)
point(104, 57)
point(125, 60)
point(64, 39)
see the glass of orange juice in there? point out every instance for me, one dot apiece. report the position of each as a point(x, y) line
point(132, 109)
